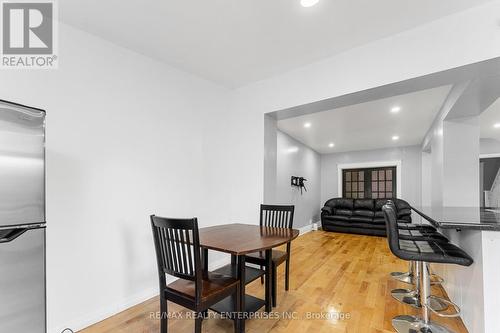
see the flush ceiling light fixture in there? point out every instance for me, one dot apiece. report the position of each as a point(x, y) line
point(395, 138)
point(307, 125)
point(497, 125)
point(396, 109)
point(308, 3)
point(331, 145)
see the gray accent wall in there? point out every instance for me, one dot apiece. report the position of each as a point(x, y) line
point(297, 159)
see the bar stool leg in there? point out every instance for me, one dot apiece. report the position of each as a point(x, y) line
point(412, 297)
point(426, 292)
point(413, 324)
point(408, 296)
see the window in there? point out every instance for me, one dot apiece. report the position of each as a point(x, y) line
point(369, 183)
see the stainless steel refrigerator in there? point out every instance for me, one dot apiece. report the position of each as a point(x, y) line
point(22, 219)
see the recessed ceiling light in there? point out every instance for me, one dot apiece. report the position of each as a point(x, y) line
point(497, 125)
point(395, 138)
point(331, 145)
point(307, 125)
point(308, 3)
point(396, 109)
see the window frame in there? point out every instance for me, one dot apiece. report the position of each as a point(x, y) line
point(372, 164)
point(351, 182)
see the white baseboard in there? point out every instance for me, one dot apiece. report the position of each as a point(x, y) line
point(109, 311)
point(307, 228)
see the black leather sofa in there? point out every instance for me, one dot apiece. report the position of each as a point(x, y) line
point(360, 216)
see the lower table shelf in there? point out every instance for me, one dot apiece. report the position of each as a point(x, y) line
point(226, 306)
point(251, 273)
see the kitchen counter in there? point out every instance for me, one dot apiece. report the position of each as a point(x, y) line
point(476, 288)
point(461, 217)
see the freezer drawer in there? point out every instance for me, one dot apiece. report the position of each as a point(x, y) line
point(22, 280)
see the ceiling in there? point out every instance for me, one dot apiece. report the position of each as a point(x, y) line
point(369, 125)
point(488, 119)
point(235, 42)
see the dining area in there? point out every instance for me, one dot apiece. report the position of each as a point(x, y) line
point(334, 282)
point(182, 251)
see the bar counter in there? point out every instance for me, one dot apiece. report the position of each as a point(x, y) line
point(461, 217)
point(476, 288)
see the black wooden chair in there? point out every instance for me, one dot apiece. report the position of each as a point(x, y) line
point(280, 217)
point(178, 254)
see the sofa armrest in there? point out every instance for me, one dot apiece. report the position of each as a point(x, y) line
point(327, 210)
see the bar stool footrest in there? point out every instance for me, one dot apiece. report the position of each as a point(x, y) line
point(431, 305)
point(406, 277)
point(406, 296)
point(436, 279)
point(412, 324)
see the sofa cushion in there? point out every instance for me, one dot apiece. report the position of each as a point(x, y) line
point(356, 230)
point(365, 213)
point(361, 219)
point(343, 212)
point(404, 212)
point(405, 218)
point(379, 203)
point(341, 203)
point(379, 220)
point(354, 224)
point(364, 204)
point(401, 204)
point(327, 210)
point(337, 218)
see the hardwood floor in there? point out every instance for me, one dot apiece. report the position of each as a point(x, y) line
point(340, 276)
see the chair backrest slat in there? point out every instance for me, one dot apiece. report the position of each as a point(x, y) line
point(189, 253)
point(277, 216)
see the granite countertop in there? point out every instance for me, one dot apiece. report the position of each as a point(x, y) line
point(461, 217)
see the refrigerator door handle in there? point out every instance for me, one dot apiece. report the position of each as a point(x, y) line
point(9, 235)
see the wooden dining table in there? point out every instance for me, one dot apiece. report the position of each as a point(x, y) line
point(239, 240)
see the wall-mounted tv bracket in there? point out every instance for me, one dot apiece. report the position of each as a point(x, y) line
point(299, 182)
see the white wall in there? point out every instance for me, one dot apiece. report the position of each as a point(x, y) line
point(124, 140)
point(461, 162)
point(411, 174)
point(297, 159)
point(426, 180)
point(270, 158)
point(489, 146)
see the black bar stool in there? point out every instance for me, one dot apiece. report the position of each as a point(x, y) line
point(422, 252)
point(423, 231)
point(412, 296)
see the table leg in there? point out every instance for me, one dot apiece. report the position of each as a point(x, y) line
point(241, 276)
point(268, 280)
